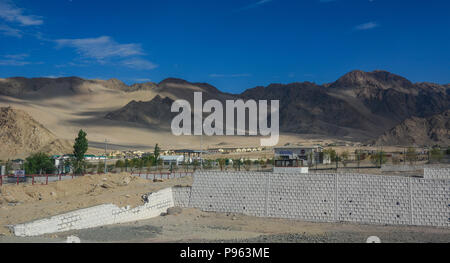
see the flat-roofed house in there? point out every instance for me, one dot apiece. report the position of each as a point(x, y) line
point(293, 158)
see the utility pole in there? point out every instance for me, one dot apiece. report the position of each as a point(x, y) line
point(337, 161)
point(106, 158)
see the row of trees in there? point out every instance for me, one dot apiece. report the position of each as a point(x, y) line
point(42, 163)
point(146, 161)
point(378, 158)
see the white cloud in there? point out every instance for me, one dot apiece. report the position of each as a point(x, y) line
point(16, 56)
point(11, 13)
point(105, 50)
point(14, 60)
point(11, 62)
point(139, 63)
point(101, 47)
point(9, 31)
point(254, 5)
point(367, 26)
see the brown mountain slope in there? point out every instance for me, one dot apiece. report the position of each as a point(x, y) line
point(155, 112)
point(358, 106)
point(389, 95)
point(21, 135)
point(434, 130)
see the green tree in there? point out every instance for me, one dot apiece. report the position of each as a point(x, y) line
point(195, 165)
point(119, 164)
point(140, 164)
point(39, 163)
point(378, 158)
point(331, 153)
point(222, 163)
point(79, 150)
point(411, 155)
point(237, 164)
point(247, 165)
point(101, 167)
point(436, 154)
point(345, 158)
point(127, 164)
point(156, 153)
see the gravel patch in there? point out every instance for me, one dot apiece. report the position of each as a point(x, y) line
point(116, 233)
point(346, 237)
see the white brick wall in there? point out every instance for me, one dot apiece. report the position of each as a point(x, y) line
point(299, 170)
point(374, 199)
point(302, 197)
point(181, 196)
point(436, 173)
point(101, 215)
point(430, 202)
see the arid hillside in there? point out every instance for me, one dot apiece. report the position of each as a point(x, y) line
point(21, 135)
point(359, 106)
point(434, 130)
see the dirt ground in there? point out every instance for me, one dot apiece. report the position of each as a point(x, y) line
point(24, 203)
point(192, 225)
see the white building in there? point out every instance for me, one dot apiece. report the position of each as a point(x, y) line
point(298, 158)
point(172, 159)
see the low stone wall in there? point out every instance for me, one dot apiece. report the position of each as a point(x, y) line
point(401, 168)
point(436, 173)
point(300, 170)
point(359, 198)
point(101, 215)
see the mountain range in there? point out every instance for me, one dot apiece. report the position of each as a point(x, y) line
point(359, 106)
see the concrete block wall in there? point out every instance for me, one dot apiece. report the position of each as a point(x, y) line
point(430, 202)
point(181, 196)
point(101, 215)
point(359, 198)
point(298, 196)
point(230, 192)
point(436, 173)
point(373, 199)
point(299, 170)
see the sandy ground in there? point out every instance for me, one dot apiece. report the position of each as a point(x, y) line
point(192, 225)
point(24, 203)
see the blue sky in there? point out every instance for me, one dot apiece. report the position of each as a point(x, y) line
point(233, 45)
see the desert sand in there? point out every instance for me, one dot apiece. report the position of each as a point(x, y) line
point(23, 203)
